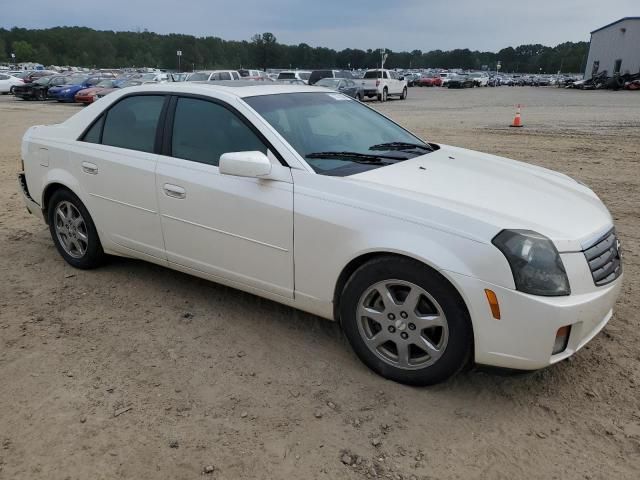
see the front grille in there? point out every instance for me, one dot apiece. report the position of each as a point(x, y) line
point(604, 259)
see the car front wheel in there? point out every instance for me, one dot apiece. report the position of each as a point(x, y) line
point(406, 322)
point(73, 231)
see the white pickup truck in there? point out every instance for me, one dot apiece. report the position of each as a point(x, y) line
point(383, 84)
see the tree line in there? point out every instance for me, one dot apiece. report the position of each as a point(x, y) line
point(80, 46)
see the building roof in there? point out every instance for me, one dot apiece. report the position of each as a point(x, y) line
point(613, 23)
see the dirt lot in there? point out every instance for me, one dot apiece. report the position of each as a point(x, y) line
point(214, 377)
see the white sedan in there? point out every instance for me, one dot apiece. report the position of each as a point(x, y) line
point(7, 82)
point(430, 256)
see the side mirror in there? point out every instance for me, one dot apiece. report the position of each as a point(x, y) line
point(245, 164)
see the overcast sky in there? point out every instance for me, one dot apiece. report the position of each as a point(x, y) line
point(395, 24)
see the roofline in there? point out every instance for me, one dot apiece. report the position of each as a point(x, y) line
point(613, 23)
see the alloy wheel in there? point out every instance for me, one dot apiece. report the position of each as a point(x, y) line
point(71, 229)
point(402, 324)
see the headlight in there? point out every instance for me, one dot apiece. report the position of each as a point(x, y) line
point(535, 262)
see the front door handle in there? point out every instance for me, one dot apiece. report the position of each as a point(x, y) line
point(90, 168)
point(174, 191)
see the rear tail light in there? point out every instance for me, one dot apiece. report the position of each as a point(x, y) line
point(562, 340)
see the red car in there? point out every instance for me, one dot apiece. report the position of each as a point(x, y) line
point(89, 95)
point(430, 81)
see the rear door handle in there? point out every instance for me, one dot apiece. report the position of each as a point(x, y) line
point(174, 191)
point(90, 168)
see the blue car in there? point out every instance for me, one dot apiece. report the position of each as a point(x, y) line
point(73, 84)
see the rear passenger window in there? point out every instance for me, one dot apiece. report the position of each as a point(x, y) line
point(203, 131)
point(132, 123)
point(93, 134)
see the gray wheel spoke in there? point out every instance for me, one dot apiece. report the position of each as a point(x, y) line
point(60, 214)
point(403, 353)
point(371, 313)
point(411, 302)
point(380, 338)
point(429, 347)
point(428, 321)
point(387, 297)
point(82, 237)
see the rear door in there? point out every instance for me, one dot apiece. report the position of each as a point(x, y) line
point(117, 169)
point(233, 228)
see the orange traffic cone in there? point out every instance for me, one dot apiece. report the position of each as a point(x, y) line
point(517, 121)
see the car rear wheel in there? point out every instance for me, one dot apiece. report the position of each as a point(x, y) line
point(405, 321)
point(41, 95)
point(73, 231)
point(403, 96)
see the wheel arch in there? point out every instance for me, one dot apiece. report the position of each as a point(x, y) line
point(358, 261)
point(49, 190)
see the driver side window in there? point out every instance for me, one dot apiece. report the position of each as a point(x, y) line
point(204, 130)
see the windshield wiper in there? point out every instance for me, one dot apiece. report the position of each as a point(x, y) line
point(355, 156)
point(400, 146)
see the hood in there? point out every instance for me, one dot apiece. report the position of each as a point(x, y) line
point(88, 91)
point(498, 193)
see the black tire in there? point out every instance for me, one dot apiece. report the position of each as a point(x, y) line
point(459, 346)
point(403, 96)
point(94, 255)
point(41, 95)
point(379, 98)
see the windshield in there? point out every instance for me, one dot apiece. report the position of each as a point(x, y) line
point(328, 82)
point(335, 134)
point(74, 80)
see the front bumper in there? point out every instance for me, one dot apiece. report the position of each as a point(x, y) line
point(524, 336)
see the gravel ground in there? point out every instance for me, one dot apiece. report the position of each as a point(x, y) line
point(136, 371)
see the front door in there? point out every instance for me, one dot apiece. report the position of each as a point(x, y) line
point(234, 228)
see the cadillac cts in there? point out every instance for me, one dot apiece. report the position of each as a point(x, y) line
point(430, 256)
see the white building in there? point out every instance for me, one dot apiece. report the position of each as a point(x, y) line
point(615, 48)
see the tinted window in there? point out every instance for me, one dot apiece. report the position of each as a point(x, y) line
point(202, 131)
point(235, 75)
point(319, 74)
point(93, 135)
point(286, 76)
point(372, 74)
point(224, 76)
point(132, 122)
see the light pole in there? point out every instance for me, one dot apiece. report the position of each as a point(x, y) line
point(179, 54)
